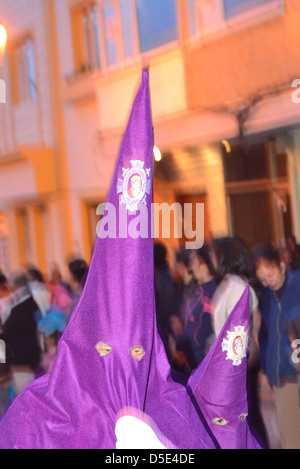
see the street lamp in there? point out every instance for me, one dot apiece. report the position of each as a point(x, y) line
point(157, 154)
point(3, 39)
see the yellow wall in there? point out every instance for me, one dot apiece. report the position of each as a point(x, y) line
point(43, 161)
point(116, 91)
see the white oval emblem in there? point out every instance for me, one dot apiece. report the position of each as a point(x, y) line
point(135, 185)
point(236, 345)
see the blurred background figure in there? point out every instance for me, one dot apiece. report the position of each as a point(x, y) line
point(20, 335)
point(181, 349)
point(294, 247)
point(6, 299)
point(234, 271)
point(56, 277)
point(199, 312)
point(6, 303)
point(280, 304)
point(51, 326)
point(286, 256)
point(60, 291)
point(39, 289)
point(167, 297)
point(78, 270)
point(188, 283)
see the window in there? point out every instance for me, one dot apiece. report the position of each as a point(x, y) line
point(157, 22)
point(192, 16)
point(23, 71)
point(119, 30)
point(236, 7)
point(110, 25)
point(31, 73)
point(257, 188)
point(92, 37)
point(109, 32)
point(207, 16)
point(127, 23)
point(86, 37)
point(246, 164)
point(204, 16)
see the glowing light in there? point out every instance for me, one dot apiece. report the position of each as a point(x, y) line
point(227, 146)
point(157, 154)
point(3, 35)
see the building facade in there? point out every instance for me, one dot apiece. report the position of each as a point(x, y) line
point(247, 60)
point(221, 74)
point(34, 189)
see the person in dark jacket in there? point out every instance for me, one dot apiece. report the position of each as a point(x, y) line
point(182, 350)
point(20, 335)
point(280, 303)
point(167, 298)
point(199, 314)
point(166, 291)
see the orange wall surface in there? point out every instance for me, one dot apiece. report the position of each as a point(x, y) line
point(243, 64)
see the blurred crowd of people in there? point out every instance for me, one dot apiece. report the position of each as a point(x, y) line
point(34, 312)
point(193, 301)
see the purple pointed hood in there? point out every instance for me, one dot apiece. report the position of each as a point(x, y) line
point(111, 356)
point(219, 384)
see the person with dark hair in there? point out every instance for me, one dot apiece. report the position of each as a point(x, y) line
point(178, 342)
point(166, 292)
point(60, 291)
point(3, 282)
point(78, 270)
point(198, 316)
point(167, 298)
point(39, 290)
point(294, 247)
point(280, 304)
point(35, 275)
point(185, 273)
point(20, 335)
point(286, 256)
point(233, 272)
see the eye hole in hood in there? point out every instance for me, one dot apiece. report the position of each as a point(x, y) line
point(103, 349)
point(137, 352)
point(220, 421)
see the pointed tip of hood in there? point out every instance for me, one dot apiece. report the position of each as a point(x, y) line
point(221, 378)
